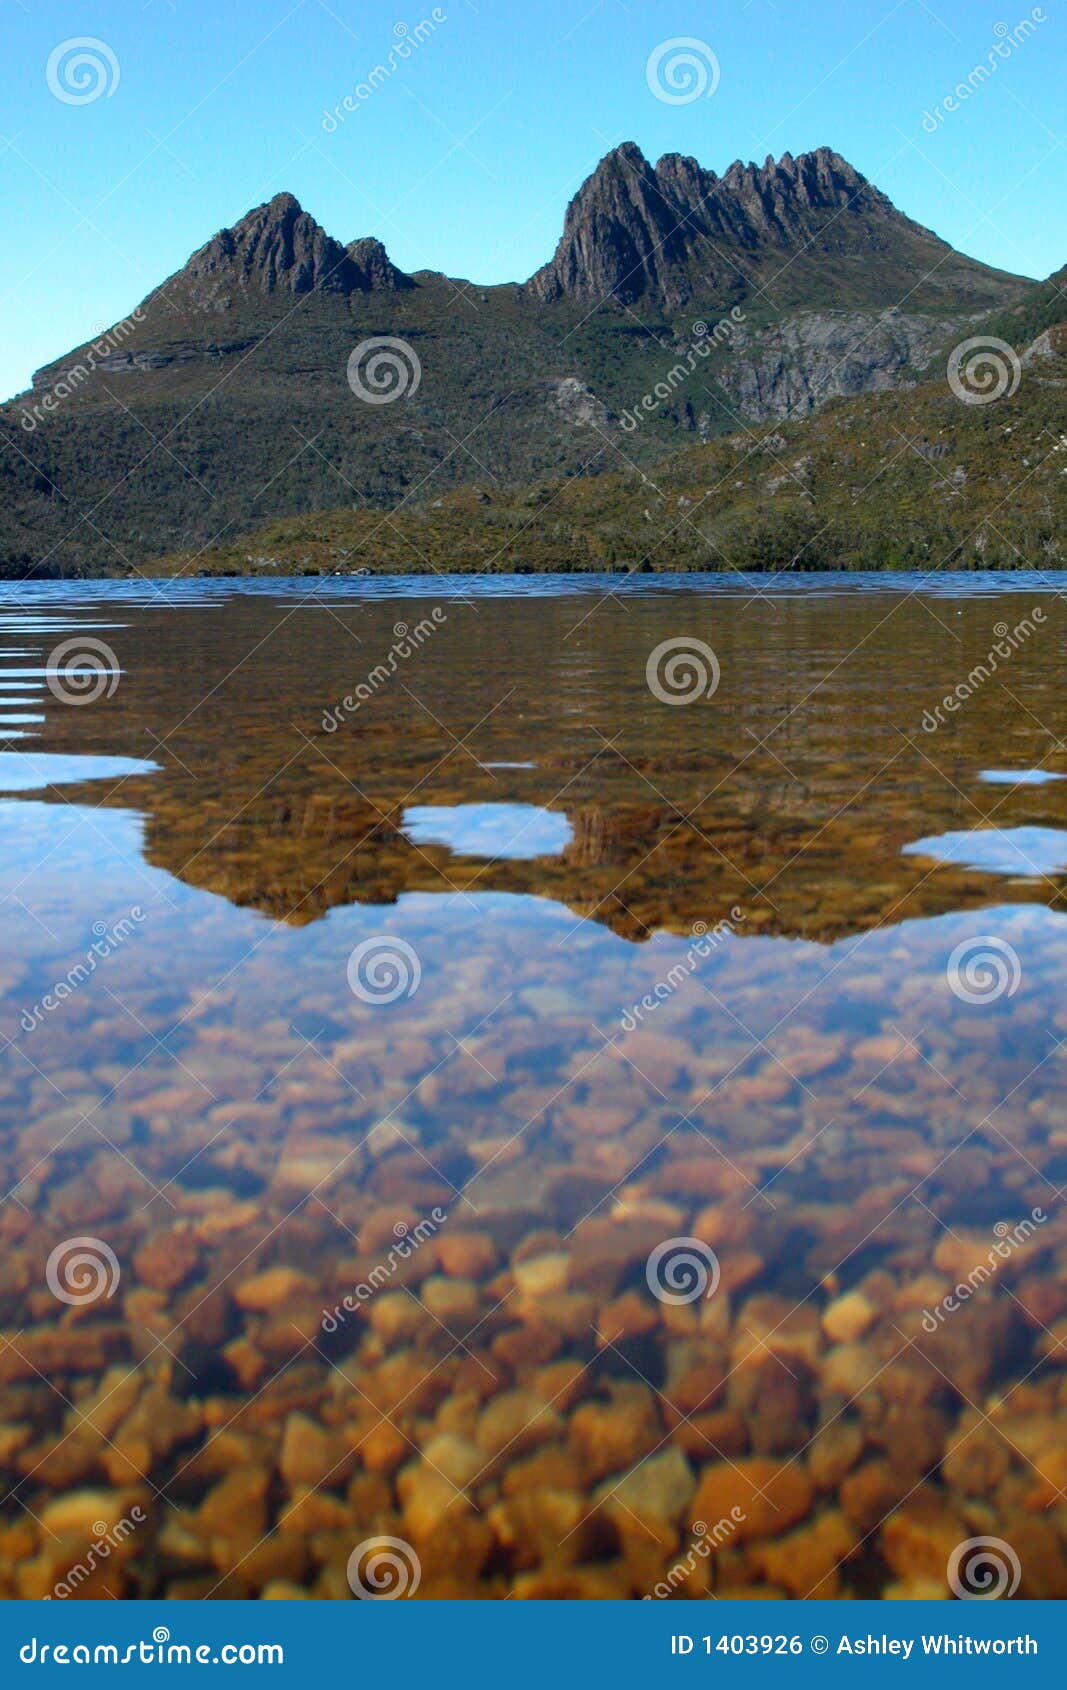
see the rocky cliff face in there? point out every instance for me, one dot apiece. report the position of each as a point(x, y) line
point(378, 271)
point(624, 235)
point(677, 231)
point(279, 249)
point(791, 368)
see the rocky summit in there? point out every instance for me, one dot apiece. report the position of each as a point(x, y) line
point(680, 305)
point(634, 232)
point(279, 249)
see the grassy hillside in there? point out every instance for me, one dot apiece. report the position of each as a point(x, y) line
point(205, 441)
point(904, 480)
point(1044, 307)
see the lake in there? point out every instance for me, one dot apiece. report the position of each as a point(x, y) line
point(533, 1087)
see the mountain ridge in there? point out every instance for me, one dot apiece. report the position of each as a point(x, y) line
point(224, 399)
point(632, 225)
point(279, 246)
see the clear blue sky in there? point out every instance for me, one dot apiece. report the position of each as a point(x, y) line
point(464, 159)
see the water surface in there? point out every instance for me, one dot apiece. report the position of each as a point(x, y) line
point(676, 1092)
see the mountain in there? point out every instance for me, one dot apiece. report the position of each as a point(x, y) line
point(676, 232)
point(679, 305)
point(278, 249)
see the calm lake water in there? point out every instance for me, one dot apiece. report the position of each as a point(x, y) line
point(566, 1076)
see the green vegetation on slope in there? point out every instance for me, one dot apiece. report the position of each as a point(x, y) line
point(1043, 308)
point(906, 480)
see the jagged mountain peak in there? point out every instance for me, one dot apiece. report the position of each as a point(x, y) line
point(681, 171)
point(626, 153)
point(635, 230)
point(283, 205)
point(279, 248)
point(822, 164)
point(377, 268)
point(819, 177)
point(620, 234)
